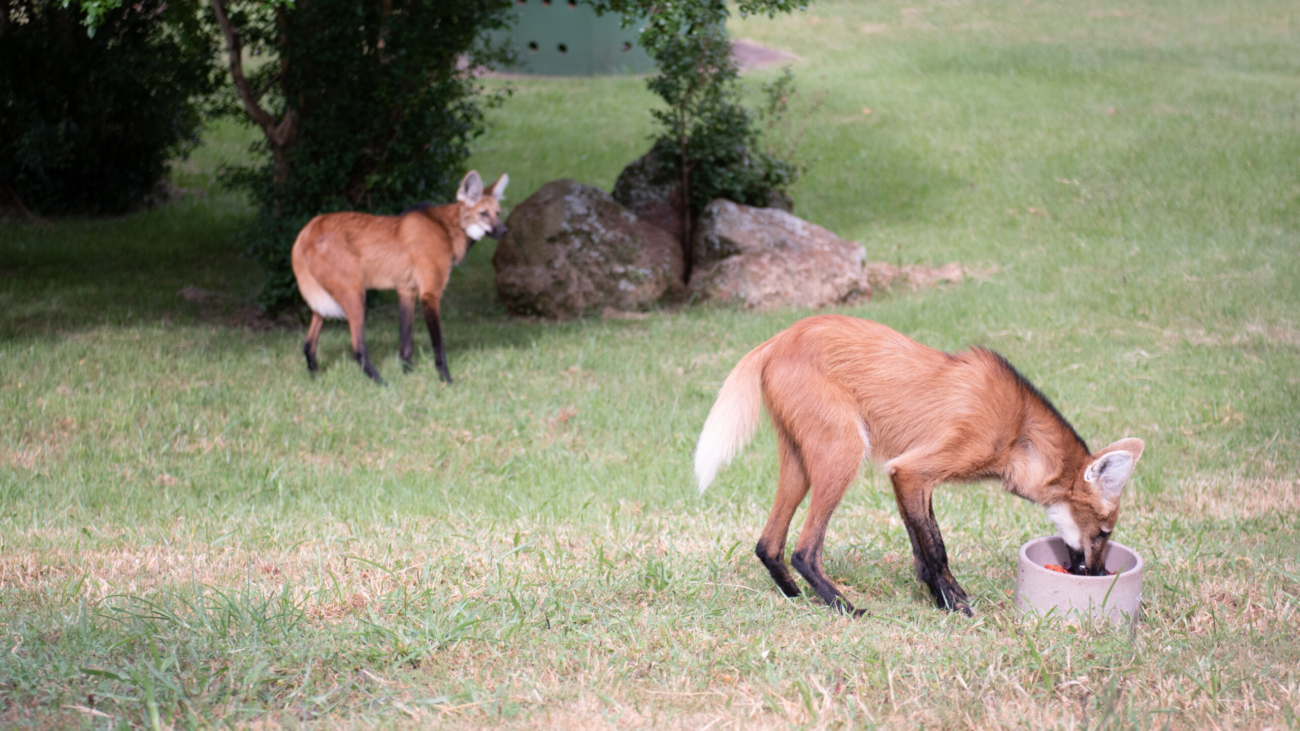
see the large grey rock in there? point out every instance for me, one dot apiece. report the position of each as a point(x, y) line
point(645, 188)
point(570, 248)
point(763, 258)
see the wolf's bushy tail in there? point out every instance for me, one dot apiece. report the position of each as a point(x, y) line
point(733, 418)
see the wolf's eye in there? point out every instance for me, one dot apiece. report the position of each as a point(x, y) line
point(483, 214)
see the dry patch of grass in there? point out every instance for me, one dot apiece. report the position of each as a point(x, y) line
point(645, 618)
point(1271, 334)
point(1225, 495)
point(883, 276)
point(36, 448)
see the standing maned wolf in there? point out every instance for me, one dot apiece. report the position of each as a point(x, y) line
point(338, 256)
point(839, 389)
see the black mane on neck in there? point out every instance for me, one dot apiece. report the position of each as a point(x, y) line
point(416, 207)
point(1034, 393)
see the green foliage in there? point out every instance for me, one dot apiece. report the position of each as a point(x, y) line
point(723, 157)
point(379, 112)
point(89, 121)
point(706, 132)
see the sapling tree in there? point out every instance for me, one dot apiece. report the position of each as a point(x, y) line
point(708, 140)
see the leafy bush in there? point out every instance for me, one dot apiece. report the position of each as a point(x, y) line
point(365, 106)
point(709, 141)
point(706, 131)
point(721, 153)
point(89, 122)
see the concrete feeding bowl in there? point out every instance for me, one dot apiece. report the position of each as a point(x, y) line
point(1040, 590)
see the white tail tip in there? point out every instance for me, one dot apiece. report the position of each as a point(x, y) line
point(731, 421)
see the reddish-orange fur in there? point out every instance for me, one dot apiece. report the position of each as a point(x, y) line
point(338, 256)
point(839, 389)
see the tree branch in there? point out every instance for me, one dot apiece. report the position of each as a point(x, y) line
point(269, 86)
point(279, 133)
point(235, 48)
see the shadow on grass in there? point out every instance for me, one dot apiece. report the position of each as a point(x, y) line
point(78, 274)
point(182, 265)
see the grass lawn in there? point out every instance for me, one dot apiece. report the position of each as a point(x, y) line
point(194, 533)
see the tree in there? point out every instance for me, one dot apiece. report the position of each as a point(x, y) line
point(89, 122)
point(708, 140)
point(363, 105)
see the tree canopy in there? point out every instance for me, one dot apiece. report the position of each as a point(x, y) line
point(90, 123)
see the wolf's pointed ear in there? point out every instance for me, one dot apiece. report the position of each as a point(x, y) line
point(1110, 471)
point(498, 188)
point(471, 189)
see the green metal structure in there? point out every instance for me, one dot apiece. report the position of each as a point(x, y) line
point(565, 38)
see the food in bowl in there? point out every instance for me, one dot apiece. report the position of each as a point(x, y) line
point(1043, 590)
point(1058, 568)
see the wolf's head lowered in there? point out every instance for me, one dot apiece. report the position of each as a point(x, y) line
point(1088, 514)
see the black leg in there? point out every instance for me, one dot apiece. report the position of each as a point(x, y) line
point(829, 457)
point(431, 319)
point(405, 329)
point(363, 357)
point(309, 345)
point(928, 552)
point(355, 309)
point(790, 491)
point(774, 561)
point(808, 562)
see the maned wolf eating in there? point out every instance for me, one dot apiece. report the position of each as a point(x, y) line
point(840, 389)
point(338, 256)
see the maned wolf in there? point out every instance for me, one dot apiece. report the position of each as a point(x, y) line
point(338, 256)
point(840, 389)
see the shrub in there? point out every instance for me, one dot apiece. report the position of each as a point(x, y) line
point(708, 141)
point(706, 131)
point(90, 120)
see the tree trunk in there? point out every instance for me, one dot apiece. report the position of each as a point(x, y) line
point(687, 253)
point(279, 133)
